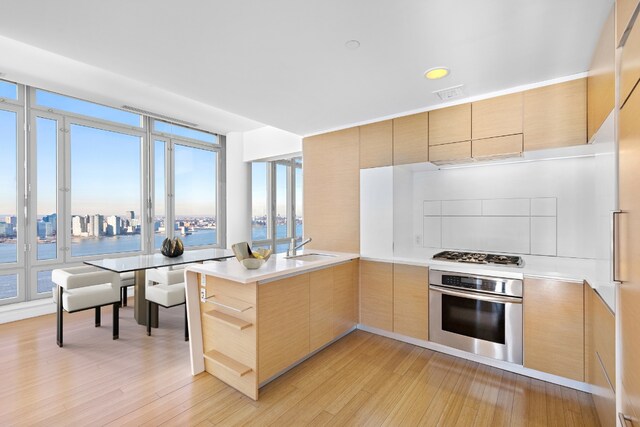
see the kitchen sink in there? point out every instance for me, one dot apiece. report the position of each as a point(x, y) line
point(311, 257)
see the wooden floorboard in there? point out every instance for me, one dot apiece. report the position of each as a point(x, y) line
point(363, 379)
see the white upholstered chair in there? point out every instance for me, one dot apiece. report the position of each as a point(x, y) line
point(166, 288)
point(127, 280)
point(83, 288)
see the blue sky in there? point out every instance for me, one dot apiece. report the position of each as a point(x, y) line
point(105, 165)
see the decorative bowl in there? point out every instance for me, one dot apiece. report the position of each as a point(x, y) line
point(172, 248)
point(252, 263)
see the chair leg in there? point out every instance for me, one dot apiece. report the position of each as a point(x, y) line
point(97, 316)
point(186, 324)
point(59, 318)
point(124, 295)
point(148, 318)
point(116, 320)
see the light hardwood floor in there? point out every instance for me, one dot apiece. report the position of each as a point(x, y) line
point(363, 379)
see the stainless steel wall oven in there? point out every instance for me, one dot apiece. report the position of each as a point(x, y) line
point(478, 314)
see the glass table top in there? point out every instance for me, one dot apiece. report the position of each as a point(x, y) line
point(144, 262)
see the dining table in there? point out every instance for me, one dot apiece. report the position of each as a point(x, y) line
point(138, 264)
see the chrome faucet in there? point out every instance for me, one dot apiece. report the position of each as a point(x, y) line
point(293, 248)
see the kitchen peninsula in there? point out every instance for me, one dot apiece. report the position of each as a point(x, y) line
point(247, 327)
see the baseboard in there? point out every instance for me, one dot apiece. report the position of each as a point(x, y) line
point(26, 310)
point(507, 366)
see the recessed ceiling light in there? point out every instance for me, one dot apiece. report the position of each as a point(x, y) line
point(352, 44)
point(436, 73)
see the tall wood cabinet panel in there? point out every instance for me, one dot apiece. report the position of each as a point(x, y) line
point(556, 115)
point(321, 290)
point(346, 278)
point(554, 327)
point(601, 81)
point(497, 116)
point(376, 294)
point(624, 12)
point(376, 144)
point(411, 300)
point(600, 355)
point(629, 253)
point(332, 190)
point(283, 320)
point(451, 124)
point(630, 64)
point(411, 139)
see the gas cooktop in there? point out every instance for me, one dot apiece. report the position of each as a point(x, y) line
point(479, 258)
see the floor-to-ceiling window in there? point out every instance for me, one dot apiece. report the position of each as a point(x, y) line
point(82, 181)
point(12, 236)
point(188, 199)
point(276, 203)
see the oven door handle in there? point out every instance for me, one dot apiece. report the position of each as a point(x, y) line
point(477, 296)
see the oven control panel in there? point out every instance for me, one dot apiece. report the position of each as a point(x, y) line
point(474, 283)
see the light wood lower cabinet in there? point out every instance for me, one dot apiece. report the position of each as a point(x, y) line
point(346, 278)
point(376, 294)
point(321, 307)
point(411, 301)
point(600, 355)
point(554, 327)
point(283, 319)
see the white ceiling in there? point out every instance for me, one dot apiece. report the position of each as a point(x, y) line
point(284, 63)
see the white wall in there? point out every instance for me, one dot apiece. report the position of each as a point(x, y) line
point(238, 191)
point(580, 188)
point(269, 143)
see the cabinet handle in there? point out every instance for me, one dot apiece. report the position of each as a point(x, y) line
point(625, 421)
point(614, 246)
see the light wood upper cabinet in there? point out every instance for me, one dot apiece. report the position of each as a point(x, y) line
point(411, 300)
point(497, 116)
point(376, 294)
point(345, 297)
point(332, 190)
point(624, 12)
point(376, 144)
point(283, 319)
point(501, 146)
point(556, 115)
point(321, 308)
point(554, 327)
point(445, 153)
point(411, 139)
point(451, 124)
point(601, 82)
point(630, 64)
point(629, 253)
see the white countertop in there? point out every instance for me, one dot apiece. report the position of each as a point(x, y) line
point(277, 266)
point(567, 269)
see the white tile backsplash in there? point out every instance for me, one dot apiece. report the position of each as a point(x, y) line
point(506, 207)
point(562, 189)
point(461, 207)
point(544, 206)
point(432, 234)
point(543, 235)
point(432, 207)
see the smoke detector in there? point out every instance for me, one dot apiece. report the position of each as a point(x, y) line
point(450, 92)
